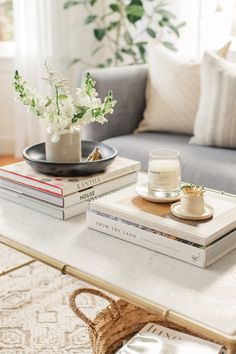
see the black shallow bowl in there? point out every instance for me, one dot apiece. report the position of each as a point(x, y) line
point(35, 156)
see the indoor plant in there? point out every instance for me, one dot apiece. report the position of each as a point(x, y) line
point(63, 114)
point(122, 28)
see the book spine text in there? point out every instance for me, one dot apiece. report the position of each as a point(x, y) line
point(147, 239)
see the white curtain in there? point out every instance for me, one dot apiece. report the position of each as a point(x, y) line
point(39, 37)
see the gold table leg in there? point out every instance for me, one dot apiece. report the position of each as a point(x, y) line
point(10, 270)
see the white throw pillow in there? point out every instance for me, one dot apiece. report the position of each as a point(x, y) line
point(215, 122)
point(173, 91)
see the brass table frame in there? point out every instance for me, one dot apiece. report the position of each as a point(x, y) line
point(166, 314)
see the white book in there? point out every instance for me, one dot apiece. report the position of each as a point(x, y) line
point(76, 209)
point(71, 199)
point(154, 338)
point(201, 256)
point(127, 205)
point(21, 172)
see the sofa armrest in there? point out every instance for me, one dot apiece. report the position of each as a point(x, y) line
point(128, 85)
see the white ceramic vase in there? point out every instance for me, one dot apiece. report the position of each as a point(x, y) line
point(67, 149)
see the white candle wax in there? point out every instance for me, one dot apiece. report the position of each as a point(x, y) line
point(164, 174)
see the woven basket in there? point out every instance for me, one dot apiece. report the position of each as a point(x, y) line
point(119, 321)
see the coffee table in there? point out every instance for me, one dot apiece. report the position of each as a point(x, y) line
point(203, 300)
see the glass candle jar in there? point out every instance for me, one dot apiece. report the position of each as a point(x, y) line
point(164, 173)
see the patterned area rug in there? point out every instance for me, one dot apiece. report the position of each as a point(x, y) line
point(34, 314)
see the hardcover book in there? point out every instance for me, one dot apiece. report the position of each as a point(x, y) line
point(156, 339)
point(74, 209)
point(200, 256)
point(127, 206)
point(61, 186)
point(70, 199)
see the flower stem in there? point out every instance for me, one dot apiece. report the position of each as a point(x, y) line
point(57, 100)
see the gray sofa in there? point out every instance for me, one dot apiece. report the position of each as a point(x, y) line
point(208, 166)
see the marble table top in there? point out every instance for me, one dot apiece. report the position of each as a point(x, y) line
point(205, 295)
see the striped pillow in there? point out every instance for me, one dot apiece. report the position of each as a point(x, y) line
point(216, 117)
point(172, 93)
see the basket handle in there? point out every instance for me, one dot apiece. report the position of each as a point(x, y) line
point(95, 292)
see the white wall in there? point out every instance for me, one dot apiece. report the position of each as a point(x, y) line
point(6, 107)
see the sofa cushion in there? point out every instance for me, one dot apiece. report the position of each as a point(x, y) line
point(212, 167)
point(172, 93)
point(215, 122)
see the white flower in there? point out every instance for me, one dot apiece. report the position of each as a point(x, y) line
point(50, 129)
point(101, 119)
point(61, 112)
point(55, 137)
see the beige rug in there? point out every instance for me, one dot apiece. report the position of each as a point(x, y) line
point(34, 312)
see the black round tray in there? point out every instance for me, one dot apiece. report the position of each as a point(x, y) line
point(35, 156)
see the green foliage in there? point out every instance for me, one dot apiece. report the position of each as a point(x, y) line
point(19, 85)
point(134, 11)
point(90, 19)
point(118, 28)
point(99, 33)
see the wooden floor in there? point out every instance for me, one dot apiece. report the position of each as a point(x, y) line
point(6, 160)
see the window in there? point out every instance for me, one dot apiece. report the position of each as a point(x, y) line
point(6, 21)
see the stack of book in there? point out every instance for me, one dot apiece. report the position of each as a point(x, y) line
point(63, 197)
point(131, 218)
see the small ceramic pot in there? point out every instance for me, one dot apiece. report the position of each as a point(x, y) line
point(192, 205)
point(67, 149)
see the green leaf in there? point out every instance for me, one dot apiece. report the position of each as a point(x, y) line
point(115, 7)
point(71, 3)
point(48, 102)
point(142, 51)
point(62, 97)
point(99, 33)
point(90, 19)
point(112, 25)
point(151, 32)
point(128, 38)
point(92, 2)
point(97, 49)
point(135, 10)
point(163, 22)
point(174, 29)
point(141, 43)
point(169, 45)
point(73, 62)
point(136, 2)
point(119, 56)
point(107, 63)
point(182, 24)
point(165, 13)
point(134, 13)
point(81, 111)
point(17, 75)
point(128, 51)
